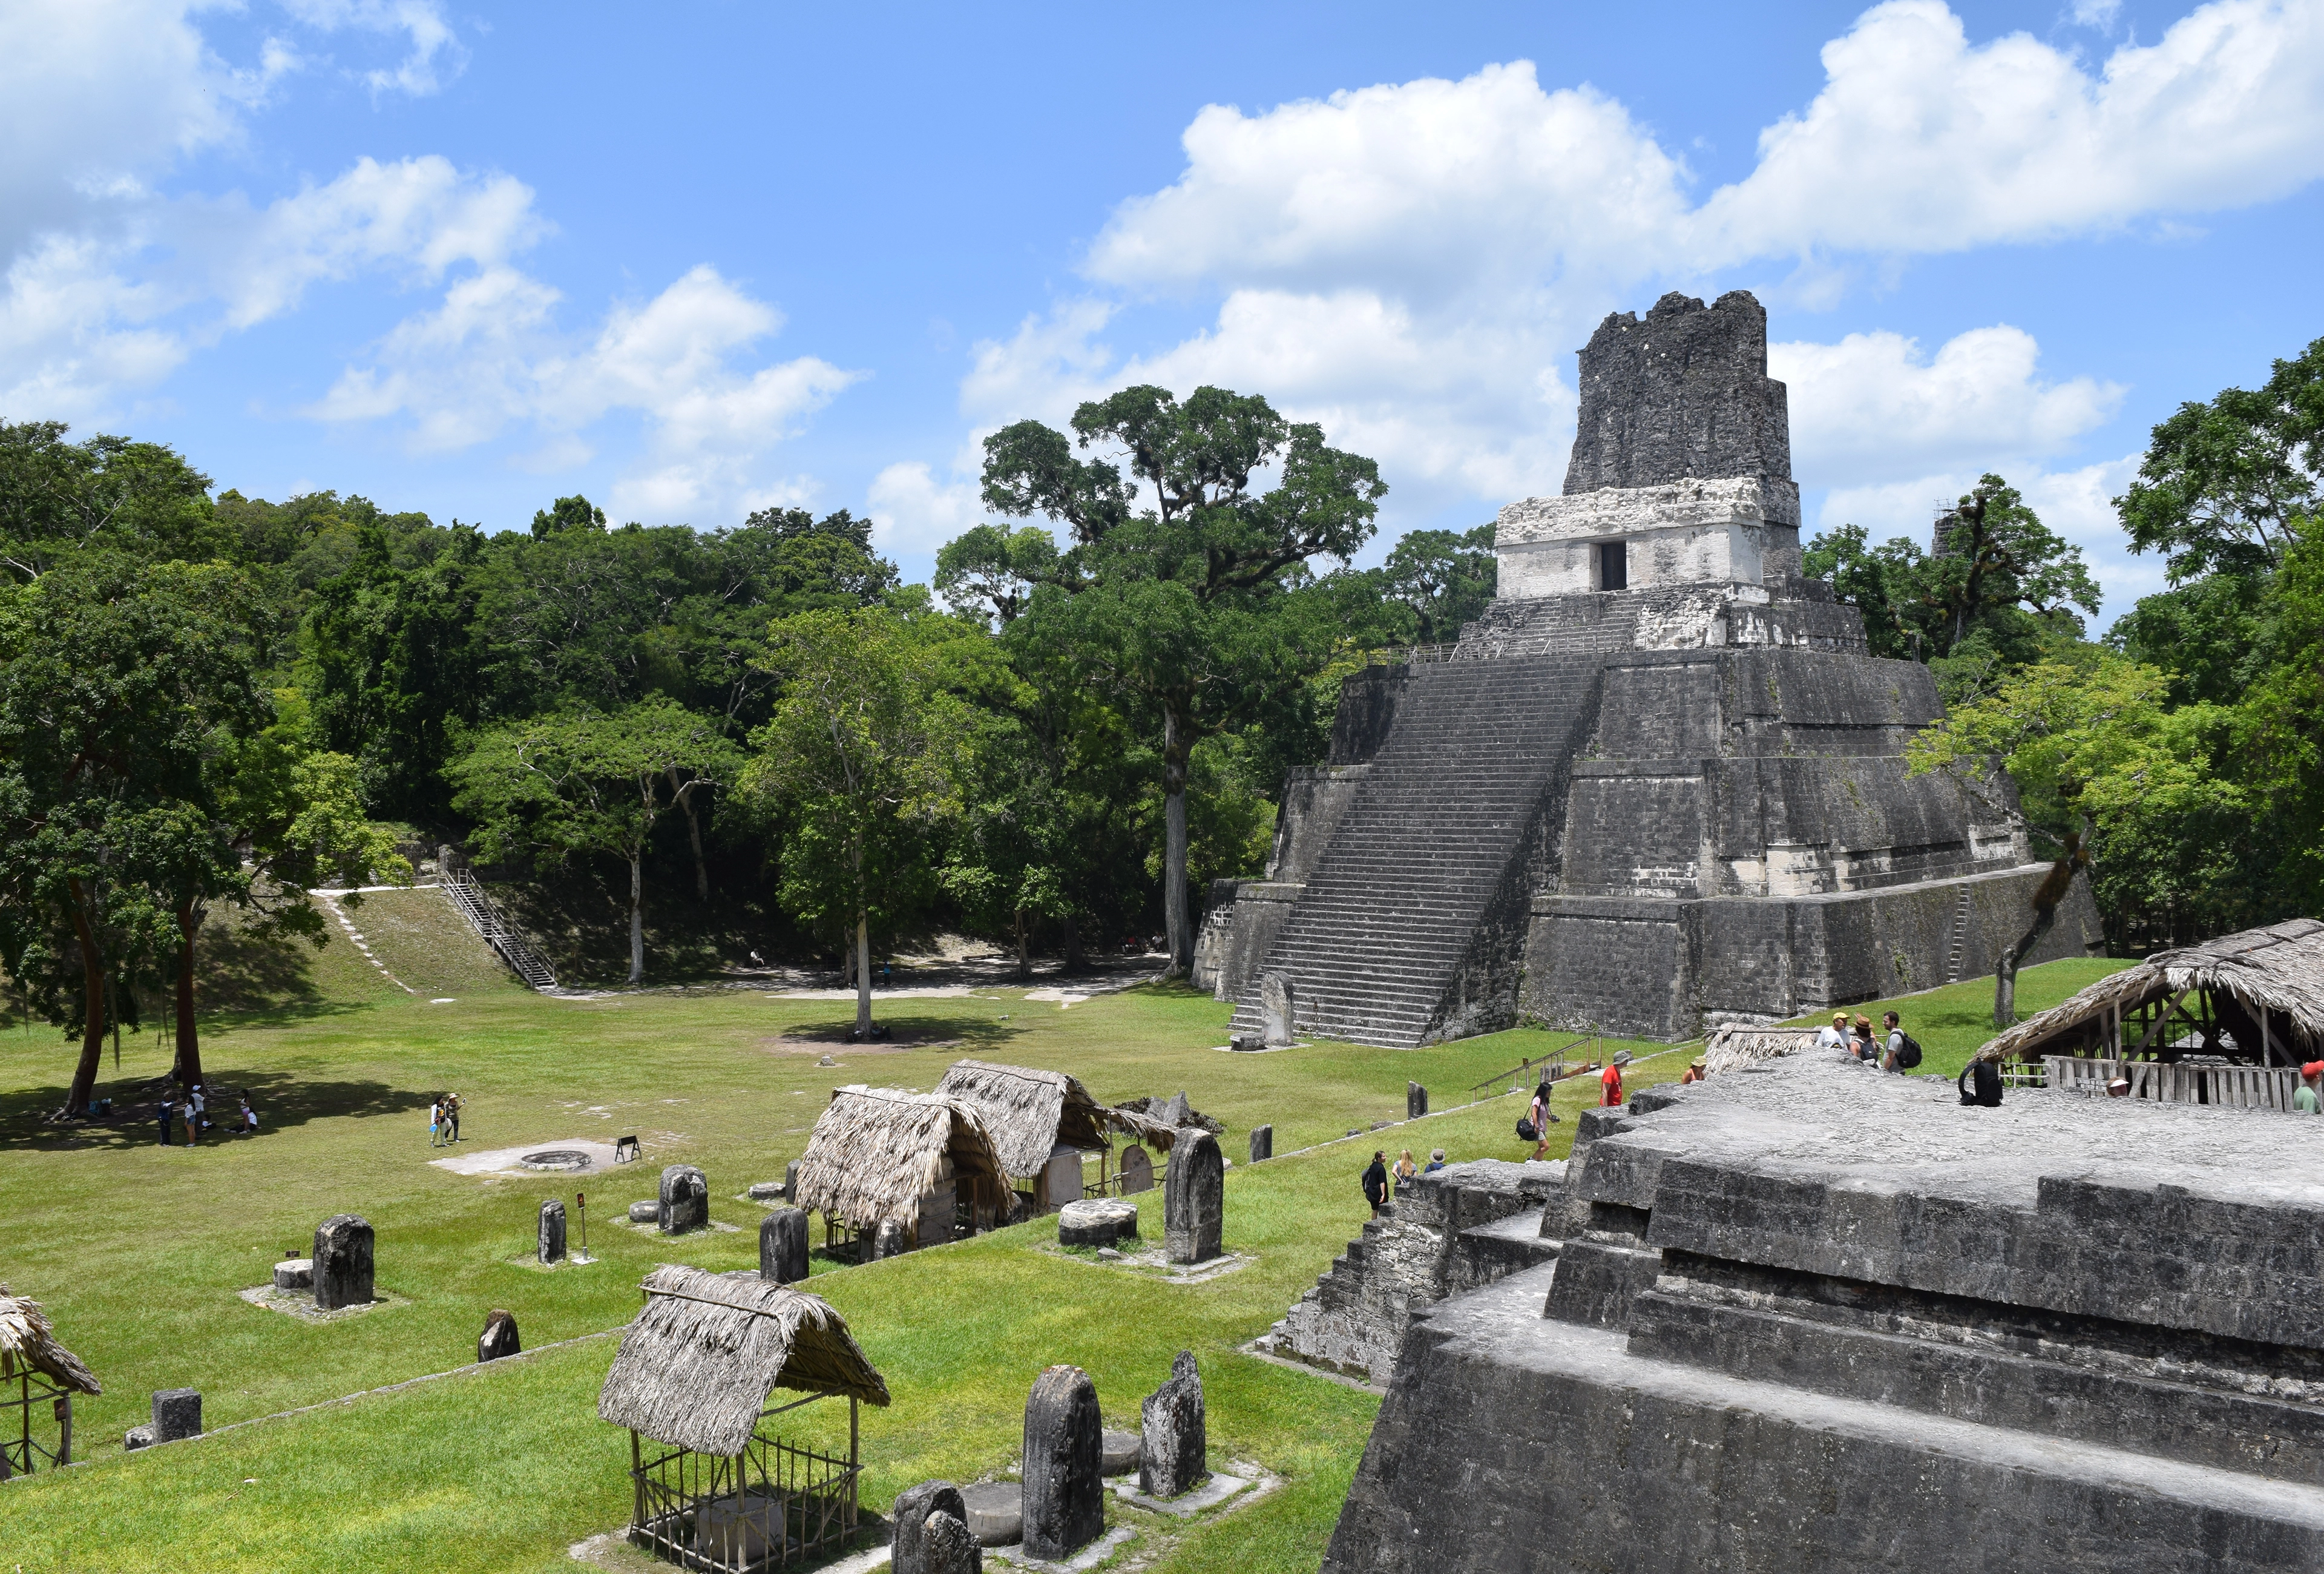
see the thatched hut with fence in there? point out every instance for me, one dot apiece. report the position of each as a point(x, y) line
point(2226, 1022)
point(36, 1374)
point(1042, 1122)
point(1734, 1045)
point(715, 1487)
point(890, 1170)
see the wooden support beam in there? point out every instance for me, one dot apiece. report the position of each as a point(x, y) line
point(2160, 1020)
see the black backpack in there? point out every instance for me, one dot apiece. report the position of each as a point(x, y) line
point(1986, 1078)
point(1909, 1055)
point(1526, 1132)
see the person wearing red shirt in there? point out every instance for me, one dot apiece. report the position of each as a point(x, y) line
point(1609, 1085)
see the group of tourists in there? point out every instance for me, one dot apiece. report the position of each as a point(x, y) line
point(1382, 1180)
point(192, 1108)
point(1895, 1051)
point(444, 1120)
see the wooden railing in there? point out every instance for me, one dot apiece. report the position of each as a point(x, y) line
point(2229, 1087)
point(485, 917)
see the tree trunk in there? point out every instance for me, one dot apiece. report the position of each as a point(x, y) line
point(863, 975)
point(1072, 943)
point(189, 1069)
point(2005, 991)
point(92, 1031)
point(637, 920)
point(1177, 749)
point(1024, 947)
point(685, 796)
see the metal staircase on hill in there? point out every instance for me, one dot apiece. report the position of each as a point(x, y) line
point(1384, 940)
point(1958, 950)
point(485, 917)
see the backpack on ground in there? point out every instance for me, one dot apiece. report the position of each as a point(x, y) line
point(1979, 1083)
point(1908, 1056)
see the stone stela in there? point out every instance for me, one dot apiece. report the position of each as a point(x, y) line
point(1657, 786)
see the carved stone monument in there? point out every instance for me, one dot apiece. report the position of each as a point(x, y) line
point(684, 1199)
point(1194, 1202)
point(1262, 1142)
point(551, 1246)
point(910, 1515)
point(782, 1246)
point(1276, 1009)
point(176, 1414)
point(947, 1547)
point(1136, 1171)
point(343, 1262)
point(1415, 1101)
point(499, 1339)
point(1064, 1502)
point(1173, 1454)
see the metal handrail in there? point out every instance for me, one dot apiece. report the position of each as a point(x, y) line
point(484, 914)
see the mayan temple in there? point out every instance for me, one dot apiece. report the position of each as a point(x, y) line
point(1658, 786)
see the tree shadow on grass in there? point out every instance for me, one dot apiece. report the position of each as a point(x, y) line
point(903, 1033)
point(283, 1100)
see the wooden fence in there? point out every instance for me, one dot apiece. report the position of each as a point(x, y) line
point(2230, 1087)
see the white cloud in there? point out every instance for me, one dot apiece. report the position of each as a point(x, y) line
point(2077, 503)
point(491, 357)
point(913, 513)
point(1873, 405)
point(434, 47)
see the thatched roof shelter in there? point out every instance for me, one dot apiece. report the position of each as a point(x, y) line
point(27, 1344)
point(2265, 986)
point(876, 1151)
point(695, 1369)
point(1028, 1112)
point(1737, 1044)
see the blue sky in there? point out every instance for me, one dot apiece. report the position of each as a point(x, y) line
point(690, 260)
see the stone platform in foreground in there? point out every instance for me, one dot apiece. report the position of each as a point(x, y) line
point(1814, 1317)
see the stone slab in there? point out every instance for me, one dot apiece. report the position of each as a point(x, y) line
point(1089, 1557)
point(996, 1511)
point(1221, 1487)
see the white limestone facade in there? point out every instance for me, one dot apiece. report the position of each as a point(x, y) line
point(1741, 530)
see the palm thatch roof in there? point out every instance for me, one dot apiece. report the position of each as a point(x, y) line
point(695, 1369)
point(1028, 1112)
point(2278, 970)
point(876, 1151)
point(1737, 1044)
point(26, 1344)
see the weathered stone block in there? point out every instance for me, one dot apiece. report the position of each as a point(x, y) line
point(1415, 1101)
point(1173, 1458)
point(1278, 1003)
point(1097, 1221)
point(343, 1262)
point(1194, 1202)
point(996, 1511)
point(295, 1273)
point(176, 1414)
point(948, 1546)
point(1121, 1451)
point(550, 1246)
point(1686, 393)
point(140, 1436)
point(684, 1201)
point(499, 1338)
point(645, 1212)
point(1136, 1171)
point(913, 1505)
point(1262, 1142)
point(1064, 1495)
point(782, 1246)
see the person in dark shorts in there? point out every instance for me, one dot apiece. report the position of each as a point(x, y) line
point(1376, 1181)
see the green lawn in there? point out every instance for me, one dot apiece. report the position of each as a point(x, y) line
point(137, 1251)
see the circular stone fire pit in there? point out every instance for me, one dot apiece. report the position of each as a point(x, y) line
point(556, 1159)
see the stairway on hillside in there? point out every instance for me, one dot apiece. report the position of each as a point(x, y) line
point(1377, 944)
point(485, 915)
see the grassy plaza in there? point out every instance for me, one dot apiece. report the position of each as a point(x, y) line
point(138, 1251)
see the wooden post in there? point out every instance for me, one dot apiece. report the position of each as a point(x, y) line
point(637, 1482)
point(64, 1429)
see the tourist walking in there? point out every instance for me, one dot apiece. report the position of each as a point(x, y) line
point(452, 1116)
point(1610, 1087)
point(2306, 1101)
point(249, 1113)
point(198, 1105)
point(1406, 1172)
point(435, 1122)
point(1541, 1114)
point(1376, 1181)
point(193, 1121)
point(164, 1114)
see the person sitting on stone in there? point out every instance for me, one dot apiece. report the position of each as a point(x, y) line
point(1435, 1161)
point(1376, 1181)
point(1834, 1035)
point(2306, 1101)
point(1694, 1073)
point(1406, 1170)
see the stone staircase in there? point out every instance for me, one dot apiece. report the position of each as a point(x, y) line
point(1410, 927)
point(1956, 950)
point(485, 916)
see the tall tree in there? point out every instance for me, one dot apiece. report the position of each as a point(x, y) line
point(583, 782)
point(1182, 588)
point(117, 684)
point(139, 499)
point(1439, 580)
point(861, 756)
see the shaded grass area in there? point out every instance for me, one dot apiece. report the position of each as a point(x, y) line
point(138, 1251)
